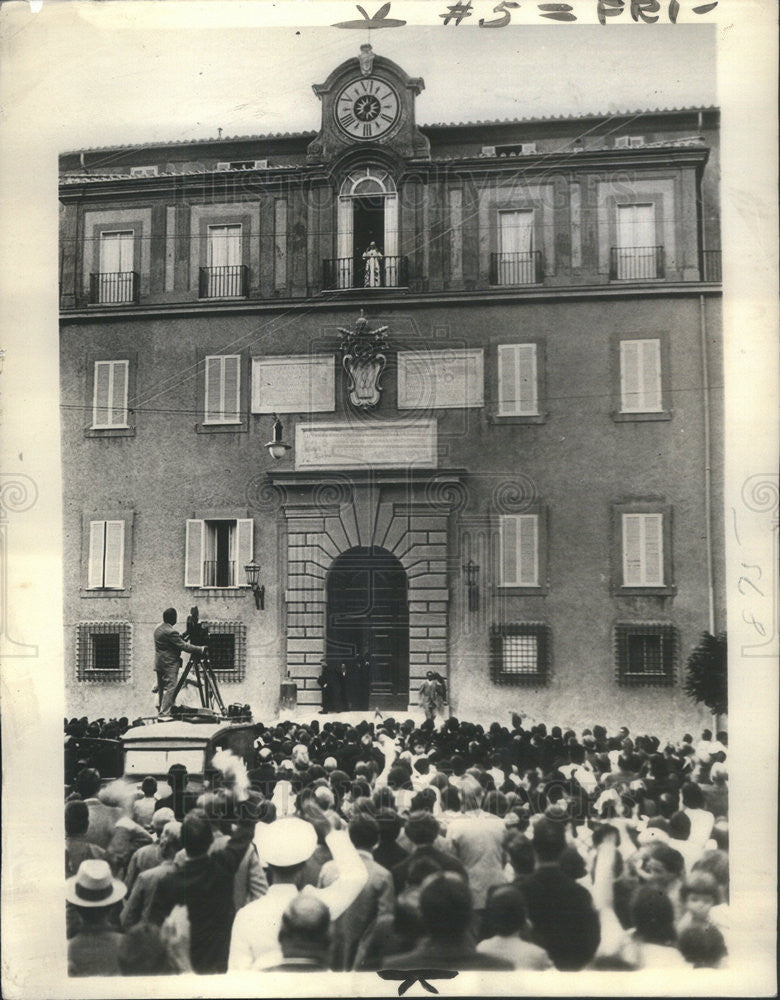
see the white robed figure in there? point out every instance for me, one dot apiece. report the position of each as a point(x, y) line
point(373, 274)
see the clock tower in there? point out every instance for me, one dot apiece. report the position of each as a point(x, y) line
point(368, 104)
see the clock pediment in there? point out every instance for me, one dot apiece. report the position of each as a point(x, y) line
point(368, 103)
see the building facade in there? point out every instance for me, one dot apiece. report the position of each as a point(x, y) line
point(494, 354)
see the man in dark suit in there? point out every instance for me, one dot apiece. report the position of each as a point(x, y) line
point(447, 916)
point(564, 920)
point(168, 647)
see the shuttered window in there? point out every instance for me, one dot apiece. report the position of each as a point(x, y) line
point(518, 393)
point(643, 550)
point(519, 550)
point(109, 400)
point(216, 552)
point(640, 376)
point(223, 389)
point(106, 555)
point(116, 252)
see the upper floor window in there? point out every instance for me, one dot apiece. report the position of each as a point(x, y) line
point(640, 376)
point(517, 380)
point(517, 261)
point(109, 400)
point(643, 550)
point(638, 255)
point(116, 281)
point(222, 404)
point(519, 550)
point(106, 555)
point(367, 253)
point(217, 549)
point(224, 275)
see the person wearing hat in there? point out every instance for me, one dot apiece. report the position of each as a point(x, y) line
point(94, 950)
point(285, 846)
point(168, 647)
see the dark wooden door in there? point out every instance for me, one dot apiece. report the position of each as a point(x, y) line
point(368, 616)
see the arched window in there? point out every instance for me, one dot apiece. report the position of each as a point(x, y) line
point(367, 214)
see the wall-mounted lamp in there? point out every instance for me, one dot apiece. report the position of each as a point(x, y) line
point(276, 447)
point(471, 569)
point(252, 571)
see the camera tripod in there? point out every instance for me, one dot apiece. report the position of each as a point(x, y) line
point(204, 681)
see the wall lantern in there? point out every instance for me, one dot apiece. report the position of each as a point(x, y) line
point(252, 571)
point(276, 447)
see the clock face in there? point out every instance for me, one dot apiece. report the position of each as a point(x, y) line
point(367, 108)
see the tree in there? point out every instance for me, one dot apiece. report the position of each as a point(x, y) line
point(706, 678)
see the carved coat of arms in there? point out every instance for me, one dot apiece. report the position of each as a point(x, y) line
point(364, 361)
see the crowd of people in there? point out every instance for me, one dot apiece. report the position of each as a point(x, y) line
point(389, 845)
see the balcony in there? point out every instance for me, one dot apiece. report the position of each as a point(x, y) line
point(224, 282)
point(217, 573)
point(354, 272)
point(636, 263)
point(113, 288)
point(711, 270)
point(520, 268)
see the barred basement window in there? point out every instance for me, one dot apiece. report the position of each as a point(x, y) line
point(520, 653)
point(103, 651)
point(227, 650)
point(645, 653)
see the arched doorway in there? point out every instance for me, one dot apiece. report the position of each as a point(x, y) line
point(368, 616)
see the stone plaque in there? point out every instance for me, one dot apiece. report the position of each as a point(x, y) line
point(300, 383)
point(379, 444)
point(437, 379)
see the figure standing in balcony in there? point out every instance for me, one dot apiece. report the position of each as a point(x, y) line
point(373, 275)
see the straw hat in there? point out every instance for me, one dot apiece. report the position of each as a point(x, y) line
point(93, 885)
point(285, 842)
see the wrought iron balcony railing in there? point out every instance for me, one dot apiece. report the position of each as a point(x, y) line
point(113, 288)
point(518, 268)
point(219, 574)
point(225, 282)
point(636, 263)
point(355, 272)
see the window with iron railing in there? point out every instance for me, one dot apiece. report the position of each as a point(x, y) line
point(103, 651)
point(645, 653)
point(520, 653)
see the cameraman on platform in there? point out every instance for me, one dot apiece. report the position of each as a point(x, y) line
point(168, 647)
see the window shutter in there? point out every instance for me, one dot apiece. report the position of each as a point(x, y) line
point(213, 402)
point(516, 231)
point(119, 372)
point(653, 550)
point(528, 572)
point(97, 530)
point(232, 387)
point(101, 415)
point(244, 547)
point(630, 383)
point(650, 351)
point(517, 379)
point(193, 561)
point(507, 378)
point(632, 550)
point(114, 554)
